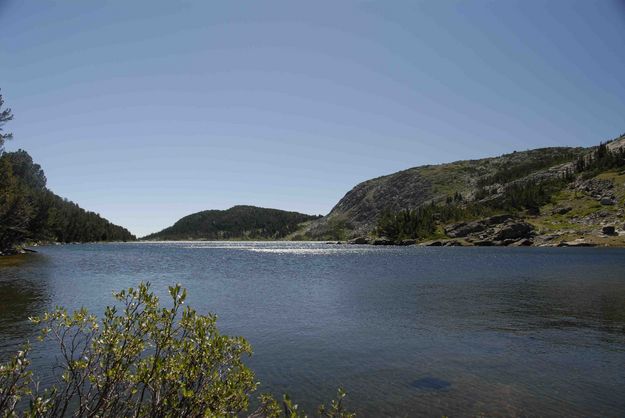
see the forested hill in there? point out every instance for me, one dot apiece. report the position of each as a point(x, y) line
point(238, 222)
point(31, 212)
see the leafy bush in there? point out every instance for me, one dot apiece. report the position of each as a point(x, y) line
point(140, 360)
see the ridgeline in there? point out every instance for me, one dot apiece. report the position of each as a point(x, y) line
point(547, 197)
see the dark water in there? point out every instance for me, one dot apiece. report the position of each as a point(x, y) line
point(406, 331)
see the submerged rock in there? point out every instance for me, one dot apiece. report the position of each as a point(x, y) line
point(430, 383)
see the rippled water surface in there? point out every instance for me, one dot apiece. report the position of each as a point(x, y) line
point(406, 331)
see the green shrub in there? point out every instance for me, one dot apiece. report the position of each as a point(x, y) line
point(140, 360)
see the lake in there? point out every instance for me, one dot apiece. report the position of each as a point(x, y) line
point(406, 331)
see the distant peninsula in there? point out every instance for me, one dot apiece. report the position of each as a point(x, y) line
point(237, 223)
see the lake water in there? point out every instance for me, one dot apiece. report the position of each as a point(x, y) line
point(407, 331)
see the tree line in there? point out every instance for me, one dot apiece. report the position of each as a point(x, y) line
point(31, 212)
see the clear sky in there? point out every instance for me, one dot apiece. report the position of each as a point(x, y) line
point(146, 111)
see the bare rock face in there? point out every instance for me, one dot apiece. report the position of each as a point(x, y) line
point(513, 231)
point(464, 229)
point(496, 230)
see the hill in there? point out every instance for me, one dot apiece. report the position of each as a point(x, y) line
point(31, 212)
point(236, 223)
point(537, 187)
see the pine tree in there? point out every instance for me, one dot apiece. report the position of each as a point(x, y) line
point(5, 116)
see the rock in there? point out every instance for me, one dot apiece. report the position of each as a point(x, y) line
point(533, 211)
point(550, 237)
point(513, 231)
point(522, 243)
point(453, 243)
point(407, 242)
point(498, 219)
point(607, 201)
point(435, 244)
point(382, 241)
point(562, 211)
point(463, 229)
point(580, 242)
point(358, 241)
point(609, 230)
point(484, 243)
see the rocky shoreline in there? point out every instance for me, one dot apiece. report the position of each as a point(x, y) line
point(500, 231)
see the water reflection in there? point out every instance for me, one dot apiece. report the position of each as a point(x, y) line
point(406, 331)
point(23, 293)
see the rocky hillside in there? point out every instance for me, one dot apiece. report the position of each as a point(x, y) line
point(569, 199)
point(236, 223)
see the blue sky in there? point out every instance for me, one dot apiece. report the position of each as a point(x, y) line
point(146, 111)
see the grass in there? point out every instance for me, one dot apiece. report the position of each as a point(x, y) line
point(570, 225)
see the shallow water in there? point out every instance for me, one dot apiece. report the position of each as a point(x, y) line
point(407, 331)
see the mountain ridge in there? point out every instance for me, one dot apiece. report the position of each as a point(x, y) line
point(466, 182)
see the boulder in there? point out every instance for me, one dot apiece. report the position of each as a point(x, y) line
point(463, 229)
point(453, 243)
point(522, 243)
point(607, 201)
point(609, 230)
point(576, 243)
point(407, 242)
point(434, 244)
point(562, 211)
point(485, 243)
point(498, 219)
point(358, 241)
point(382, 241)
point(513, 231)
